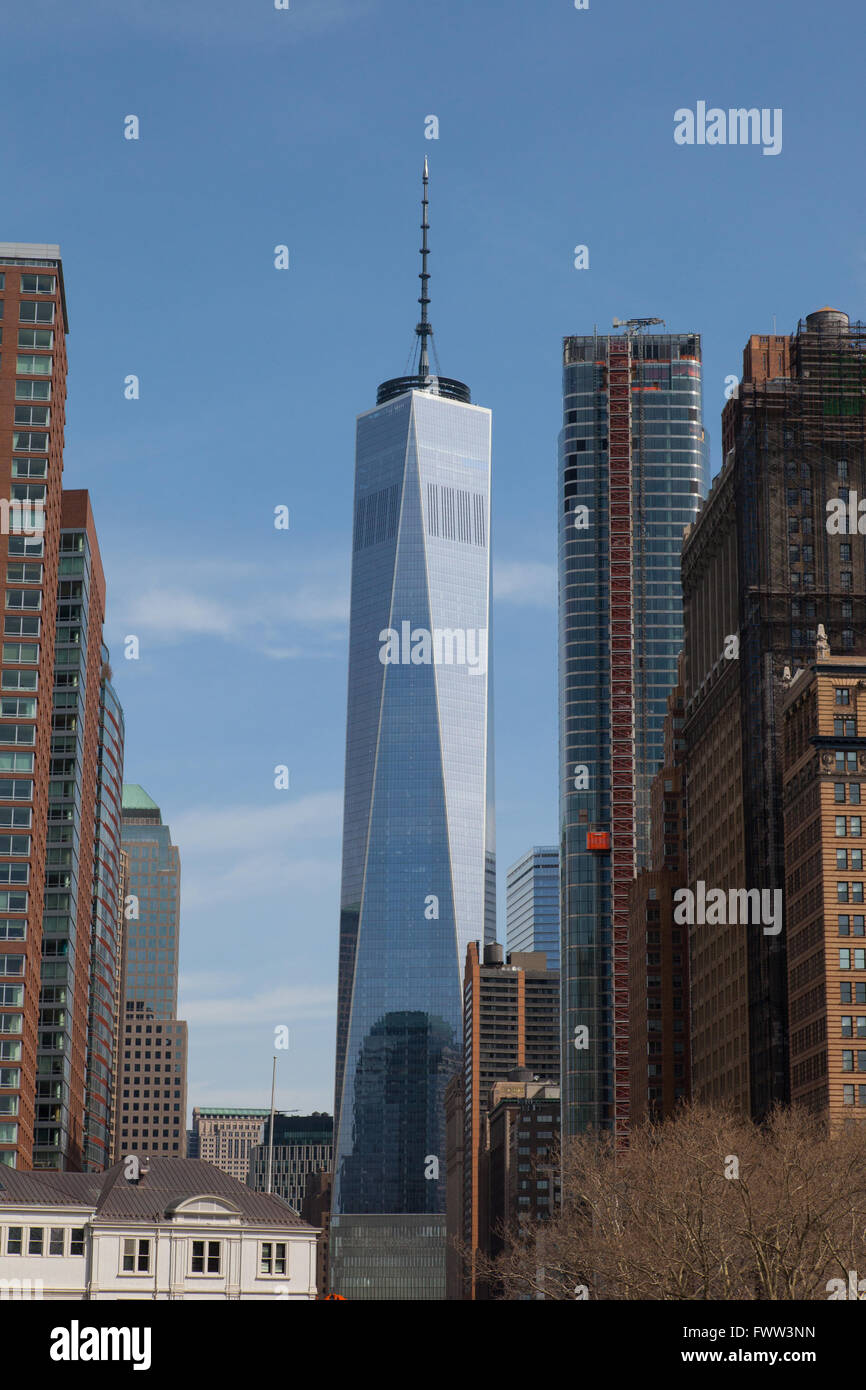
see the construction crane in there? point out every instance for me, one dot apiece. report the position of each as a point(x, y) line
point(635, 325)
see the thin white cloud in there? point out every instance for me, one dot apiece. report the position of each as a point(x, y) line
point(201, 22)
point(251, 605)
point(178, 614)
point(262, 877)
point(522, 582)
point(213, 1093)
point(275, 1007)
point(238, 829)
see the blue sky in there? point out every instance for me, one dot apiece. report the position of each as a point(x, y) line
point(305, 127)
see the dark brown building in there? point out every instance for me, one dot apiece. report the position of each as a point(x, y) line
point(316, 1209)
point(510, 1019)
point(824, 776)
point(519, 1181)
point(658, 946)
point(760, 573)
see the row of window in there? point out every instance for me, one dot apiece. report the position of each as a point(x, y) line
point(32, 283)
point(36, 1242)
point(38, 338)
point(205, 1255)
point(32, 311)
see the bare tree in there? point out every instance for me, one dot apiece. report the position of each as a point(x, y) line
point(703, 1206)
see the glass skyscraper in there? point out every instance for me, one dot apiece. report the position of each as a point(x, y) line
point(532, 903)
point(418, 829)
point(154, 884)
point(633, 467)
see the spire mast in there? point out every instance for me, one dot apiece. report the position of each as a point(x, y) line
point(424, 329)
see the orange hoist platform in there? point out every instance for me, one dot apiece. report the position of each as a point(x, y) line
point(598, 840)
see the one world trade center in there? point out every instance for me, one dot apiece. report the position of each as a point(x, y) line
point(418, 853)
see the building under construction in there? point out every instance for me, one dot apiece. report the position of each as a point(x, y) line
point(633, 466)
point(760, 572)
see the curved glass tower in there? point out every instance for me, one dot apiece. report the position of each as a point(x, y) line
point(418, 830)
point(633, 467)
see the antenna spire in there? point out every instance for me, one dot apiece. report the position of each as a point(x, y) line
point(424, 329)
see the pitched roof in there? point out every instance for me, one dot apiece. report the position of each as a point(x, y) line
point(135, 798)
point(164, 1182)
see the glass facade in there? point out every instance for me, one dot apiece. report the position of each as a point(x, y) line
point(656, 425)
point(418, 830)
point(303, 1144)
point(152, 937)
point(65, 956)
point(105, 932)
point(532, 904)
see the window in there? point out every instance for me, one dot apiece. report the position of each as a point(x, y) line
point(14, 1240)
point(273, 1260)
point(136, 1257)
point(35, 338)
point(838, 791)
point(38, 284)
point(76, 1240)
point(26, 653)
point(843, 697)
point(847, 1026)
point(847, 1061)
point(23, 574)
point(854, 793)
point(36, 1241)
point(31, 311)
point(841, 827)
point(30, 441)
point(55, 1240)
point(33, 390)
point(206, 1257)
point(31, 365)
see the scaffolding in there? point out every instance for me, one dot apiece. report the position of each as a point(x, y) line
point(800, 440)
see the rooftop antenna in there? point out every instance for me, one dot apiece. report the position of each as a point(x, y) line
point(270, 1169)
point(424, 329)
